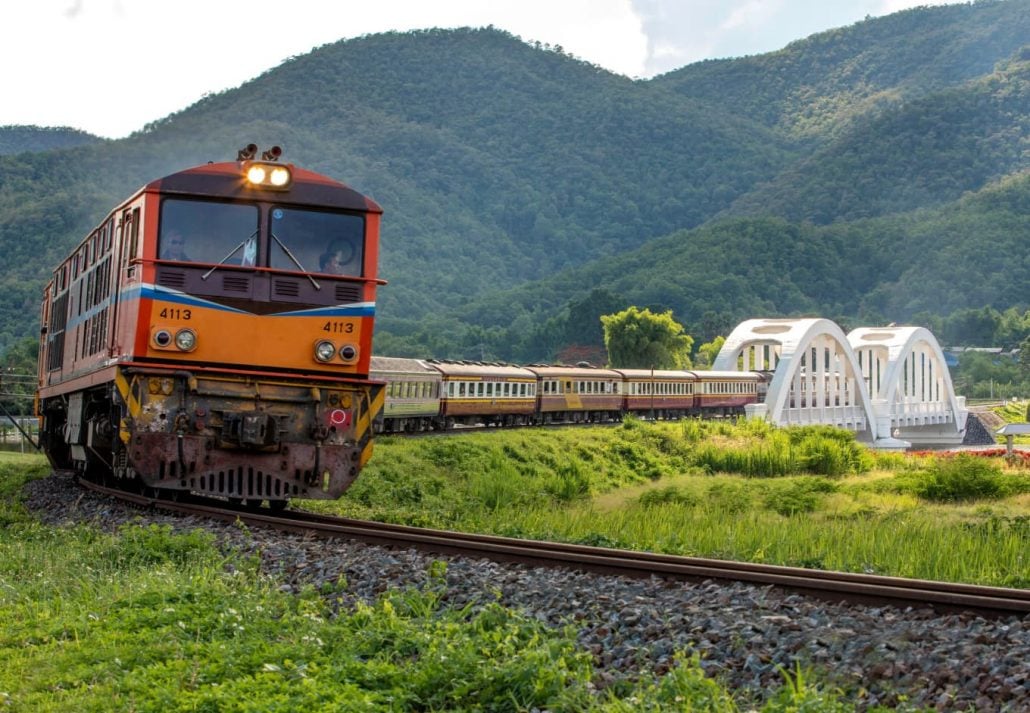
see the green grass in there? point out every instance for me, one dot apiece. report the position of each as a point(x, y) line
point(1015, 411)
point(149, 620)
point(744, 491)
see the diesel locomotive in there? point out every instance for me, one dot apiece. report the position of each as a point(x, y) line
point(213, 334)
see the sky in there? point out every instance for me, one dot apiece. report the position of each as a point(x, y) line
point(110, 67)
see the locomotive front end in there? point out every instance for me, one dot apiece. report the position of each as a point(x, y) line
point(214, 335)
point(244, 438)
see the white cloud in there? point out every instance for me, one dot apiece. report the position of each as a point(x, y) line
point(751, 14)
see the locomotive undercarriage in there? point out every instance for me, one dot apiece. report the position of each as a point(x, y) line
point(242, 439)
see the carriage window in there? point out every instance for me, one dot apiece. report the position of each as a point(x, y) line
point(208, 232)
point(317, 241)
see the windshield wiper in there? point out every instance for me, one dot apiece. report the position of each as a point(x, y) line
point(234, 251)
point(295, 260)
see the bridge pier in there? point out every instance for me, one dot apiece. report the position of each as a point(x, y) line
point(885, 439)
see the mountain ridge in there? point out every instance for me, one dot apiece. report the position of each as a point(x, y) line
point(500, 164)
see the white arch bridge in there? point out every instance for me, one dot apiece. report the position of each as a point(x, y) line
point(890, 385)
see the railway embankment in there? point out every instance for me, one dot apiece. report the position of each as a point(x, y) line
point(745, 637)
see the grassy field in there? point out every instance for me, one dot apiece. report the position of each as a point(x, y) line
point(810, 496)
point(1015, 412)
point(150, 620)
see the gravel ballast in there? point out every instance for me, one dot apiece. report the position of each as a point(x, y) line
point(744, 634)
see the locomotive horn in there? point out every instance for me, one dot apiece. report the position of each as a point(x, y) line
point(247, 152)
point(272, 154)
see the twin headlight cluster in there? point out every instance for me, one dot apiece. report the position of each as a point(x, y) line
point(326, 351)
point(185, 340)
point(269, 176)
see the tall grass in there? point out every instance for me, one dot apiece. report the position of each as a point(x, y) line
point(742, 490)
point(909, 544)
point(767, 453)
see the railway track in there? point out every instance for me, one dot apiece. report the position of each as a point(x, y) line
point(876, 590)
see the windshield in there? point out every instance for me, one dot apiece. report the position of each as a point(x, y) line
point(316, 241)
point(208, 232)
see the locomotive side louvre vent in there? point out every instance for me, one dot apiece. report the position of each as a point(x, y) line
point(171, 278)
point(235, 283)
point(347, 293)
point(286, 288)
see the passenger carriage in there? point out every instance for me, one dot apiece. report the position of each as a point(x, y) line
point(575, 394)
point(658, 393)
point(476, 393)
point(726, 392)
point(413, 390)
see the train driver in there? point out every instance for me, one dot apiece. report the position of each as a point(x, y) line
point(173, 246)
point(338, 259)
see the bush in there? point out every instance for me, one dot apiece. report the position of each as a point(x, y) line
point(961, 478)
point(670, 495)
point(571, 483)
point(798, 496)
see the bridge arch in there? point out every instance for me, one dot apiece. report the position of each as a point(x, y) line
point(816, 375)
point(908, 379)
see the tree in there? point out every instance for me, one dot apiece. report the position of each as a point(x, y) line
point(707, 352)
point(641, 339)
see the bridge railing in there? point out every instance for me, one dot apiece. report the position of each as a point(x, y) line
point(852, 417)
point(921, 413)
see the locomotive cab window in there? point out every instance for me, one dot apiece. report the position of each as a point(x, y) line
point(317, 241)
point(208, 232)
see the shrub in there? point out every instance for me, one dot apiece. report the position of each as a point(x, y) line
point(668, 496)
point(961, 478)
point(729, 497)
point(798, 496)
point(570, 483)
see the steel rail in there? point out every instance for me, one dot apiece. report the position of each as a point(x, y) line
point(945, 597)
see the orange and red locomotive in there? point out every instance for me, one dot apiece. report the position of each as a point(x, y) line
point(213, 334)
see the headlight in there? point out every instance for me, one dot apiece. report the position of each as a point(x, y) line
point(268, 175)
point(348, 352)
point(280, 176)
point(324, 351)
point(162, 338)
point(186, 339)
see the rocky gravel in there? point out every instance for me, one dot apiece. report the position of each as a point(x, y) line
point(744, 634)
point(977, 434)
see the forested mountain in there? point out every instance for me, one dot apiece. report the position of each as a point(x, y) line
point(16, 139)
point(503, 164)
point(923, 152)
point(969, 253)
point(813, 88)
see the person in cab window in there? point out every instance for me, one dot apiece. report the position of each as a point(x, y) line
point(337, 258)
point(173, 246)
